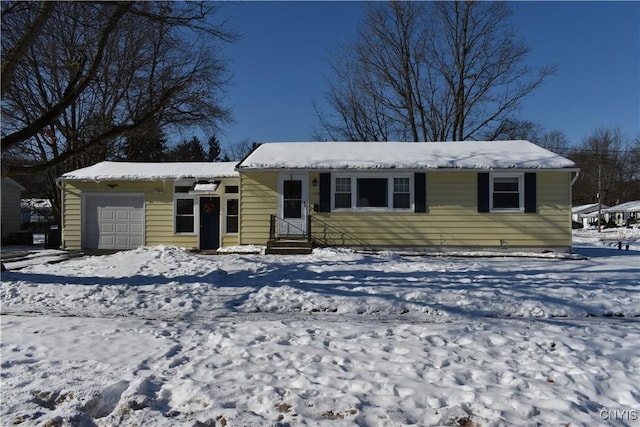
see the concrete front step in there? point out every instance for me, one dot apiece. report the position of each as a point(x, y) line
point(287, 251)
point(289, 243)
point(289, 247)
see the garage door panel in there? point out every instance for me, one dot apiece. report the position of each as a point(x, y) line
point(114, 222)
point(107, 241)
point(107, 227)
point(106, 214)
point(122, 215)
point(122, 240)
point(122, 227)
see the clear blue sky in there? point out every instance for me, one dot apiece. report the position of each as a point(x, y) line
point(279, 67)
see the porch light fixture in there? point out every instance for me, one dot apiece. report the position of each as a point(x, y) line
point(112, 186)
point(314, 182)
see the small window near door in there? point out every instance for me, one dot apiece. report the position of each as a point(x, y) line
point(230, 189)
point(232, 215)
point(184, 215)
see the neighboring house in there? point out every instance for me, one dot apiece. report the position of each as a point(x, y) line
point(587, 215)
point(36, 211)
point(511, 194)
point(623, 213)
point(123, 205)
point(11, 195)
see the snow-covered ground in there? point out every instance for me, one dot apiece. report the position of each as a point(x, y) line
point(163, 337)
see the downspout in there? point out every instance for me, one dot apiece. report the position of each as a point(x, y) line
point(575, 178)
point(59, 186)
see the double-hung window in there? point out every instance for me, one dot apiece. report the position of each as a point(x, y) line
point(507, 193)
point(232, 216)
point(231, 212)
point(184, 210)
point(372, 192)
point(401, 193)
point(343, 193)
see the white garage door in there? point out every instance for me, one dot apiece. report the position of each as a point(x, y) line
point(114, 222)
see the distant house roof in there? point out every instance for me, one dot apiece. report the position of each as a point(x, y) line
point(586, 209)
point(134, 171)
point(407, 155)
point(12, 183)
point(633, 206)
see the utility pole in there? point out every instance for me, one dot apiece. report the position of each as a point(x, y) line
point(599, 193)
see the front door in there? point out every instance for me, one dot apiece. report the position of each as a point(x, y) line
point(293, 204)
point(209, 223)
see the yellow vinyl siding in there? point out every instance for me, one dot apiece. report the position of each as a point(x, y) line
point(71, 218)
point(259, 200)
point(453, 220)
point(452, 217)
point(159, 221)
point(229, 240)
point(158, 211)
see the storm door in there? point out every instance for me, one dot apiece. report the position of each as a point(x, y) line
point(292, 204)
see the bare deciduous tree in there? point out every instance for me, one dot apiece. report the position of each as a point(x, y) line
point(607, 166)
point(429, 71)
point(528, 130)
point(81, 75)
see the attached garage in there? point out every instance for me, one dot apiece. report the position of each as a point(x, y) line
point(125, 205)
point(113, 221)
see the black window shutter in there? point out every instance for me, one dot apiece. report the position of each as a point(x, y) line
point(325, 192)
point(530, 193)
point(483, 192)
point(420, 191)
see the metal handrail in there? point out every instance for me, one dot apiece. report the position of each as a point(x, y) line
point(320, 234)
point(275, 234)
point(327, 230)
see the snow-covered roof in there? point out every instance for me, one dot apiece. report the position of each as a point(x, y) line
point(35, 204)
point(585, 209)
point(633, 206)
point(134, 171)
point(408, 155)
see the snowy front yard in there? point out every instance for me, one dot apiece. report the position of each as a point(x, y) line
point(160, 336)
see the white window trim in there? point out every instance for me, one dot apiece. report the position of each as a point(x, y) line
point(354, 192)
point(520, 177)
point(196, 208)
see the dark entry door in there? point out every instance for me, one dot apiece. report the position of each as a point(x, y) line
point(209, 223)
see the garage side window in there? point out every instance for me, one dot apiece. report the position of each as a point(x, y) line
point(183, 209)
point(185, 217)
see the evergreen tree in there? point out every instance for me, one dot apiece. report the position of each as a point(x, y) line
point(188, 151)
point(215, 151)
point(147, 144)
